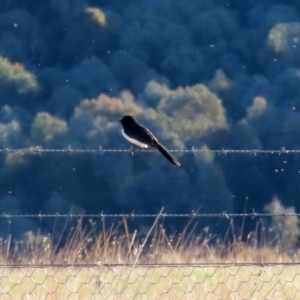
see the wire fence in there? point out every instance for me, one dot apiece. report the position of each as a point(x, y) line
point(201, 281)
point(247, 273)
point(238, 276)
point(100, 150)
point(161, 215)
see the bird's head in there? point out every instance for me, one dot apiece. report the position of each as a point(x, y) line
point(127, 120)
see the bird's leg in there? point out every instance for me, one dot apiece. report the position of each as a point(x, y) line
point(135, 150)
point(132, 150)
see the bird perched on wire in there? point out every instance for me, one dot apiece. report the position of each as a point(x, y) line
point(142, 137)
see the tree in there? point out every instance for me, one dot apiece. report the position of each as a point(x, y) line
point(46, 127)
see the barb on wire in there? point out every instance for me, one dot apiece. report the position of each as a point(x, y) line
point(162, 215)
point(100, 150)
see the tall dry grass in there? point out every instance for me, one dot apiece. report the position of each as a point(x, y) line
point(119, 244)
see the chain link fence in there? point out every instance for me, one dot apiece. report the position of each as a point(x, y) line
point(191, 281)
point(199, 277)
point(102, 263)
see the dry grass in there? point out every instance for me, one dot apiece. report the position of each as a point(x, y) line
point(106, 280)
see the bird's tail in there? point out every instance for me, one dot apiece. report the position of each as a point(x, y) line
point(166, 153)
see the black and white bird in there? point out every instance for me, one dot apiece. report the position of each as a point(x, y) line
point(142, 137)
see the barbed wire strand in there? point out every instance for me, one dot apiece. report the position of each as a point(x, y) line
point(162, 215)
point(100, 150)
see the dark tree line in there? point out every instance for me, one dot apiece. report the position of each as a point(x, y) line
point(204, 74)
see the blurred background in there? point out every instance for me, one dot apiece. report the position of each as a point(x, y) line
point(208, 74)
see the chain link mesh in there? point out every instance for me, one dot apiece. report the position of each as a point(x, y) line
point(223, 281)
point(205, 273)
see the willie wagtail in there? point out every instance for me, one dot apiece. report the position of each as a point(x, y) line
point(141, 136)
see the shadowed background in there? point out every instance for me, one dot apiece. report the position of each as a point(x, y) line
point(204, 74)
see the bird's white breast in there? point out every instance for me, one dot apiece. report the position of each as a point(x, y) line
point(133, 141)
